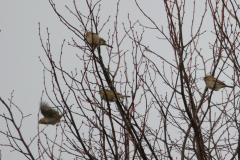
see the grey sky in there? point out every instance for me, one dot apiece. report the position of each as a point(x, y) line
point(21, 69)
point(20, 49)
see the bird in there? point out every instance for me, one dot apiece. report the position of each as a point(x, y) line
point(93, 38)
point(210, 82)
point(110, 95)
point(51, 116)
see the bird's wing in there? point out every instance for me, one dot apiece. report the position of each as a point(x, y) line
point(218, 81)
point(108, 92)
point(95, 36)
point(118, 94)
point(47, 111)
point(221, 83)
point(102, 41)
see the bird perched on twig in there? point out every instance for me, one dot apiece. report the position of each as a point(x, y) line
point(110, 95)
point(94, 39)
point(51, 116)
point(210, 82)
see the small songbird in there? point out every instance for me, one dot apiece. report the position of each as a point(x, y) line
point(51, 116)
point(210, 81)
point(110, 95)
point(93, 38)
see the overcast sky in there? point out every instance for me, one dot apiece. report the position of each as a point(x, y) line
point(21, 69)
point(20, 48)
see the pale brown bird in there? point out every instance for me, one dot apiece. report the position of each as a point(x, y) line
point(110, 95)
point(51, 116)
point(210, 81)
point(93, 38)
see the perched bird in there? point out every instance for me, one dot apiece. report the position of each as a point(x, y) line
point(93, 38)
point(110, 95)
point(210, 82)
point(51, 116)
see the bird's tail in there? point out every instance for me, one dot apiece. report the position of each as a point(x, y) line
point(108, 45)
point(229, 86)
point(122, 96)
point(64, 112)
